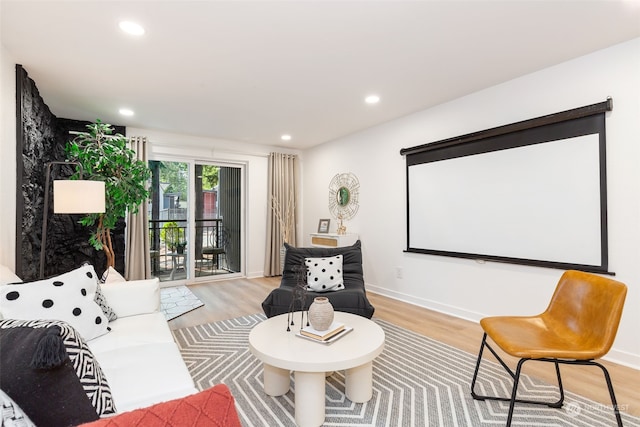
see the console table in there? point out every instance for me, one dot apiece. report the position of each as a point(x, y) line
point(330, 240)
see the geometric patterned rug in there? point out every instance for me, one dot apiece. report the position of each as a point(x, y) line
point(417, 381)
point(178, 300)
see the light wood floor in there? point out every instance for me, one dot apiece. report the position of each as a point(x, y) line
point(233, 298)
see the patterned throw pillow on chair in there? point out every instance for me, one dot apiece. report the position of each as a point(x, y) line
point(68, 297)
point(324, 274)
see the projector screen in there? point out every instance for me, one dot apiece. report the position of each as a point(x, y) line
point(535, 196)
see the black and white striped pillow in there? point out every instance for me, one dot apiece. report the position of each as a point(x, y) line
point(84, 363)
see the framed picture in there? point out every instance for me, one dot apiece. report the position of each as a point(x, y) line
point(323, 226)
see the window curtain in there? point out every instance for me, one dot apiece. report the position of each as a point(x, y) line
point(137, 260)
point(282, 215)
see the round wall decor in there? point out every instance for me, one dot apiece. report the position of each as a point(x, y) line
point(343, 198)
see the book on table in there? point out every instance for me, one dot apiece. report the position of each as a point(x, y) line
point(332, 338)
point(335, 328)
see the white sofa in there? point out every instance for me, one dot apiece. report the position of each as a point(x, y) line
point(139, 357)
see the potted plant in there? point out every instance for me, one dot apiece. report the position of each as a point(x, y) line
point(106, 157)
point(173, 237)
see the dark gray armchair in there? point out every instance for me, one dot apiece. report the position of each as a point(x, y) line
point(351, 299)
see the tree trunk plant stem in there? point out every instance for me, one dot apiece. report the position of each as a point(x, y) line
point(106, 157)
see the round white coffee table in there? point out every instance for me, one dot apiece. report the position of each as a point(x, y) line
point(281, 352)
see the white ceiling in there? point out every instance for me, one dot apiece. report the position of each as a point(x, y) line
point(252, 70)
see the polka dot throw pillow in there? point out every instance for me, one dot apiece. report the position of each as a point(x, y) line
point(324, 274)
point(68, 297)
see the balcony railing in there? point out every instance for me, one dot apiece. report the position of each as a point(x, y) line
point(171, 262)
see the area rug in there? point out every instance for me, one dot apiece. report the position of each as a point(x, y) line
point(417, 381)
point(178, 300)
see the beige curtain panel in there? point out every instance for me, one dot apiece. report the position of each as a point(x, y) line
point(137, 259)
point(282, 213)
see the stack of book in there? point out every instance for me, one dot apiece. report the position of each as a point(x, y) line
point(335, 331)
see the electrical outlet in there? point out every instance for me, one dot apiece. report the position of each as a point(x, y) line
point(399, 272)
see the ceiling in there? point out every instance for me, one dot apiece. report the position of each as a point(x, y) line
point(251, 71)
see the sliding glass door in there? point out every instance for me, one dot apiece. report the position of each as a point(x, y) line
point(195, 220)
point(217, 219)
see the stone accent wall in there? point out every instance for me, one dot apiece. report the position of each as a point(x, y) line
point(44, 137)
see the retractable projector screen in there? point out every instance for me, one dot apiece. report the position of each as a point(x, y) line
point(532, 193)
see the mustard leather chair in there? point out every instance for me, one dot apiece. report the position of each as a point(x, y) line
point(578, 326)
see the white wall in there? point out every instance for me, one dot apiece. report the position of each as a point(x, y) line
point(7, 158)
point(255, 160)
point(467, 288)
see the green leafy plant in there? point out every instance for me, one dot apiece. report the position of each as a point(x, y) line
point(105, 156)
point(173, 235)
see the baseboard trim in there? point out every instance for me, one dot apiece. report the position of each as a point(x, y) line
point(255, 274)
point(425, 303)
point(616, 356)
point(623, 358)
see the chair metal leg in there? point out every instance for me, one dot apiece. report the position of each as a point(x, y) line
point(516, 379)
point(558, 404)
point(614, 402)
point(475, 373)
point(514, 392)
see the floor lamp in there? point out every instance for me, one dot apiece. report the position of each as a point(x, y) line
point(69, 197)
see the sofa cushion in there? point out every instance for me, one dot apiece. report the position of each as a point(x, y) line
point(214, 407)
point(86, 367)
point(133, 331)
point(142, 375)
point(133, 297)
point(352, 301)
point(49, 397)
point(68, 297)
point(324, 274)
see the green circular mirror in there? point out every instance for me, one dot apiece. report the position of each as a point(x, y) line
point(343, 196)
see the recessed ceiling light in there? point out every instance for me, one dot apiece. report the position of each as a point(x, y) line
point(131, 28)
point(372, 99)
point(126, 112)
point(286, 137)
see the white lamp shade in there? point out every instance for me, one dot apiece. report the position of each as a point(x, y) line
point(78, 197)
